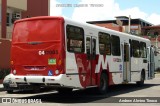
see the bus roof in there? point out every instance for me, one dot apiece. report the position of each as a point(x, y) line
point(39, 18)
point(82, 24)
point(106, 29)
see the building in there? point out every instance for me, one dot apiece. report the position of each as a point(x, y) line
point(11, 10)
point(152, 33)
point(136, 25)
point(37, 8)
point(17, 9)
point(11, 13)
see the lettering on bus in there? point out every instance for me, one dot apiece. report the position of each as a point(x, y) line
point(49, 52)
point(102, 61)
point(117, 60)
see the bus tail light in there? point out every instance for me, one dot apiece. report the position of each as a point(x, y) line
point(59, 68)
point(57, 72)
point(11, 62)
point(14, 72)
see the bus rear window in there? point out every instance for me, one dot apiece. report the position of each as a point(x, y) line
point(37, 30)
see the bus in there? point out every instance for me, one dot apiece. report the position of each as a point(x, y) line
point(58, 52)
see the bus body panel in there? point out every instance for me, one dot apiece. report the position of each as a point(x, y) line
point(40, 51)
point(37, 47)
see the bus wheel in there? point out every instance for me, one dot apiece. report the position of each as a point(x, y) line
point(103, 87)
point(64, 90)
point(141, 82)
point(9, 91)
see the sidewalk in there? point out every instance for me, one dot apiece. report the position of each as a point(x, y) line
point(1, 87)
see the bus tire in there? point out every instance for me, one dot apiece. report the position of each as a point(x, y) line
point(103, 87)
point(65, 90)
point(141, 82)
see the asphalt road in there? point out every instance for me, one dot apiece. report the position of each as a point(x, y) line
point(151, 88)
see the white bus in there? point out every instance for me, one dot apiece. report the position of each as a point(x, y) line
point(64, 54)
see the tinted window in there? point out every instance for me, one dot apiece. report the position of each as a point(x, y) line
point(143, 50)
point(75, 39)
point(104, 44)
point(130, 42)
point(135, 48)
point(115, 45)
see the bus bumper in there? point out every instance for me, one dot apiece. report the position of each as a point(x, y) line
point(13, 82)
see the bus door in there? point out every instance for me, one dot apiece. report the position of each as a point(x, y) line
point(91, 58)
point(151, 63)
point(126, 63)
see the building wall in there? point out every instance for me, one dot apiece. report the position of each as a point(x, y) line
point(10, 18)
point(9, 32)
point(17, 4)
point(36, 8)
point(5, 53)
point(5, 46)
point(111, 26)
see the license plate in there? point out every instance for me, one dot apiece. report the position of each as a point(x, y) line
point(13, 85)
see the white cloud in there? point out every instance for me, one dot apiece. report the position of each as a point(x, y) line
point(154, 18)
point(95, 13)
point(55, 11)
point(109, 10)
point(135, 12)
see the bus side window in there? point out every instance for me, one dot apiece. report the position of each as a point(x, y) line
point(93, 48)
point(75, 39)
point(135, 48)
point(143, 52)
point(88, 47)
point(115, 45)
point(130, 42)
point(104, 43)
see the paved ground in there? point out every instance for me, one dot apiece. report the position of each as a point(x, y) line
point(89, 97)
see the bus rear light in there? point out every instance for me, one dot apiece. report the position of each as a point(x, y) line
point(59, 62)
point(11, 62)
point(14, 72)
point(57, 72)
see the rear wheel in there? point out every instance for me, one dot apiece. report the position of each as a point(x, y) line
point(103, 87)
point(141, 82)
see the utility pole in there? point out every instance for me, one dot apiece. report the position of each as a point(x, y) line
point(121, 18)
point(129, 24)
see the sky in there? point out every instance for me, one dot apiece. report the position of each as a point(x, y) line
point(96, 10)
